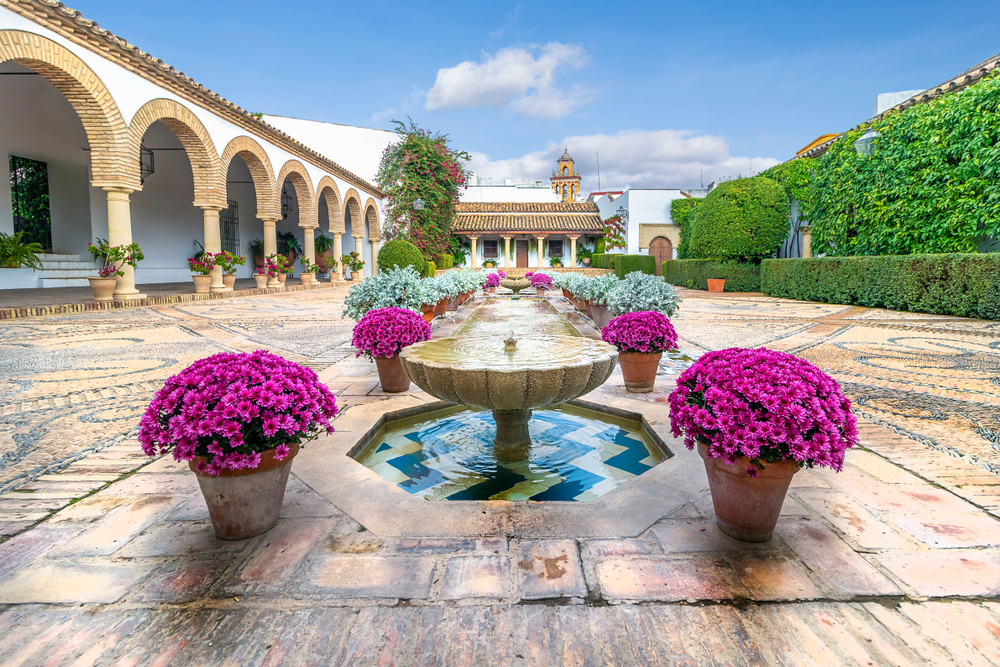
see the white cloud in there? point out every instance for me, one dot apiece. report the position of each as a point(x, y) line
point(632, 158)
point(513, 79)
point(379, 116)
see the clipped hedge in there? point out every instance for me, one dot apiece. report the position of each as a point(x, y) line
point(430, 270)
point(626, 264)
point(694, 274)
point(400, 253)
point(745, 219)
point(958, 284)
point(447, 261)
point(597, 260)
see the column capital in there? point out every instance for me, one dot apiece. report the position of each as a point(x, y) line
point(209, 207)
point(115, 187)
point(270, 222)
point(574, 237)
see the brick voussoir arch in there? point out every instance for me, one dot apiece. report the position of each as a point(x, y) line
point(256, 160)
point(352, 202)
point(102, 121)
point(308, 208)
point(209, 185)
point(327, 190)
point(374, 223)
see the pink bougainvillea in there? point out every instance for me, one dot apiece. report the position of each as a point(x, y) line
point(383, 332)
point(229, 408)
point(767, 406)
point(643, 331)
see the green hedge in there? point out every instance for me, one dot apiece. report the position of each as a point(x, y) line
point(447, 261)
point(959, 284)
point(430, 270)
point(597, 260)
point(626, 264)
point(745, 219)
point(400, 253)
point(694, 274)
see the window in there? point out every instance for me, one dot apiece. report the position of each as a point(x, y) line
point(29, 196)
point(491, 249)
point(555, 249)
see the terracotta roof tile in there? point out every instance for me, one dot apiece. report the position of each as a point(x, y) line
point(528, 223)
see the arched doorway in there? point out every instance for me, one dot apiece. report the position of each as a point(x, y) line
point(662, 249)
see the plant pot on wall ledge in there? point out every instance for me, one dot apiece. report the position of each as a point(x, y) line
point(103, 288)
point(261, 280)
point(229, 280)
point(716, 284)
point(202, 284)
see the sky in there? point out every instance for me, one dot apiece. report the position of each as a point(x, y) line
point(665, 94)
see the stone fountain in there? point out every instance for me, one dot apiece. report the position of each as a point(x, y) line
point(510, 377)
point(516, 285)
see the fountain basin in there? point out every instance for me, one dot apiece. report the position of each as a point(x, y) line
point(515, 285)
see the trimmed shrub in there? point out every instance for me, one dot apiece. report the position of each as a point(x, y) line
point(400, 253)
point(694, 274)
point(597, 260)
point(447, 261)
point(958, 284)
point(745, 219)
point(681, 212)
point(626, 264)
point(430, 270)
point(599, 247)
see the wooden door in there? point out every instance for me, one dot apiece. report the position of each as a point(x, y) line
point(662, 249)
point(521, 249)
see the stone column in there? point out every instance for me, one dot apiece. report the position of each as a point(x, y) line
point(271, 245)
point(309, 241)
point(359, 245)
point(120, 233)
point(807, 241)
point(213, 244)
point(541, 253)
point(472, 243)
point(338, 250)
point(375, 244)
point(506, 252)
point(572, 251)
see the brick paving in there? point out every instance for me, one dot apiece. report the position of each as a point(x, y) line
point(109, 559)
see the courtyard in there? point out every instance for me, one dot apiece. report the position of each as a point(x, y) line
point(109, 558)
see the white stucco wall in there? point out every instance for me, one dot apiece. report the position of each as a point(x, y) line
point(508, 193)
point(645, 207)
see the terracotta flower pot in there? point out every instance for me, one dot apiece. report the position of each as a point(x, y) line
point(716, 285)
point(586, 261)
point(581, 304)
point(391, 375)
point(453, 303)
point(258, 261)
point(308, 278)
point(540, 291)
point(202, 284)
point(103, 288)
point(282, 277)
point(322, 261)
point(261, 280)
point(440, 308)
point(746, 507)
point(427, 311)
point(639, 370)
point(229, 279)
point(566, 293)
point(600, 314)
point(244, 503)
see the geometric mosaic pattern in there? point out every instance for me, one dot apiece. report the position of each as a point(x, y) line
point(573, 458)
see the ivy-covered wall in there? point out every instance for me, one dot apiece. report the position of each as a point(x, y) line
point(930, 185)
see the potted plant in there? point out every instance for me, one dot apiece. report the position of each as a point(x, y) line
point(325, 260)
point(596, 292)
point(229, 263)
point(238, 419)
point(257, 249)
point(289, 246)
point(541, 282)
point(492, 283)
point(555, 262)
point(489, 264)
point(433, 298)
point(583, 255)
point(262, 274)
point(641, 291)
point(352, 262)
point(201, 268)
point(15, 254)
point(112, 258)
point(309, 271)
point(716, 284)
point(285, 267)
point(758, 417)
point(381, 334)
point(641, 339)
point(401, 288)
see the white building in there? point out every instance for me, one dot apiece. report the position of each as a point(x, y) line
point(650, 228)
point(513, 190)
point(127, 148)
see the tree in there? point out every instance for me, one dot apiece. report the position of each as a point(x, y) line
point(745, 219)
point(422, 166)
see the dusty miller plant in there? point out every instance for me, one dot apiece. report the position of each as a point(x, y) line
point(641, 291)
point(400, 288)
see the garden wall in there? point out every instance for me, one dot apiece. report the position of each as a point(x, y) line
point(959, 284)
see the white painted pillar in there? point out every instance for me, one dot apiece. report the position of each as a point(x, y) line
point(120, 233)
point(572, 251)
point(375, 243)
point(359, 245)
point(506, 252)
point(338, 251)
point(541, 251)
point(474, 262)
point(271, 245)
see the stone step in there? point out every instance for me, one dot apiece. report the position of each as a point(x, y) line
point(49, 265)
point(57, 257)
point(64, 282)
point(67, 273)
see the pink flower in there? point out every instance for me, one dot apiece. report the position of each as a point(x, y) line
point(281, 451)
point(383, 332)
point(642, 331)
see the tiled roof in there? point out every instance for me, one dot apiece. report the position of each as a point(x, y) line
point(528, 223)
point(73, 26)
point(526, 207)
point(963, 80)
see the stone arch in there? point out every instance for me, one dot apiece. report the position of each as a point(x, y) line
point(102, 121)
point(209, 184)
point(352, 202)
point(374, 224)
point(256, 160)
point(297, 174)
point(327, 190)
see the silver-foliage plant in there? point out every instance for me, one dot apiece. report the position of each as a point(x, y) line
point(641, 291)
point(598, 288)
point(400, 288)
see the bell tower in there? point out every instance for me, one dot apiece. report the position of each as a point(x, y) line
point(565, 180)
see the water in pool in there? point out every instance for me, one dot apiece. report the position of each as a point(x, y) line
point(576, 455)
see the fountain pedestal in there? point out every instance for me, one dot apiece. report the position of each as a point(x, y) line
point(512, 442)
